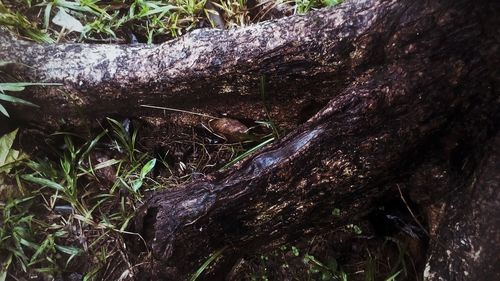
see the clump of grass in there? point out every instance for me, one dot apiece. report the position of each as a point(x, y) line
point(22, 23)
point(77, 205)
point(20, 229)
point(16, 235)
point(67, 212)
point(235, 12)
point(97, 20)
point(304, 6)
point(149, 20)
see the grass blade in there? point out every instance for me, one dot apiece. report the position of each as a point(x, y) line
point(147, 168)
point(246, 153)
point(16, 100)
point(4, 111)
point(206, 264)
point(19, 86)
point(43, 182)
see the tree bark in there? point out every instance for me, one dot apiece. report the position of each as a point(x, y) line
point(465, 246)
point(307, 60)
point(393, 76)
point(345, 156)
point(212, 71)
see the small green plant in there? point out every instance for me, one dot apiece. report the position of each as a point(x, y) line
point(327, 271)
point(235, 12)
point(64, 178)
point(354, 228)
point(17, 87)
point(204, 266)
point(16, 234)
point(124, 139)
point(304, 6)
point(132, 175)
point(23, 237)
point(15, 222)
point(68, 194)
point(19, 21)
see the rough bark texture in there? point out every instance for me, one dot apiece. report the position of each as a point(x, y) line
point(432, 69)
point(209, 69)
point(307, 60)
point(466, 244)
point(394, 77)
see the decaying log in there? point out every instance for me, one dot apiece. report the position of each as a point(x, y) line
point(306, 59)
point(345, 155)
point(212, 71)
point(391, 75)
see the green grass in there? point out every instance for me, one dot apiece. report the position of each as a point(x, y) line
point(304, 6)
point(117, 21)
point(304, 265)
point(248, 152)
point(73, 206)
point(17, 87)
point(204, 266)
point(55, 196)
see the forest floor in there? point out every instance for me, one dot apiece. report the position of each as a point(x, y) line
point(67, 198)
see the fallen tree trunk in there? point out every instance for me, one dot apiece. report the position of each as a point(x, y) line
point(344, 157)
point(395, 74)
point(307, 60)
point(211, 71)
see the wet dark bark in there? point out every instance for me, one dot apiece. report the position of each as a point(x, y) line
point(465, 246)
point(306, 59)
point(432, 70)
point(393, 76)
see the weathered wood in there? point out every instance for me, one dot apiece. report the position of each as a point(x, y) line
point(343, 156)
point(307, 60)
point(466, 244)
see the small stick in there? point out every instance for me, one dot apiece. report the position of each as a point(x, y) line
point(179, 110)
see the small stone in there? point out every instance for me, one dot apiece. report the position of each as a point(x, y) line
point(230, 129)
